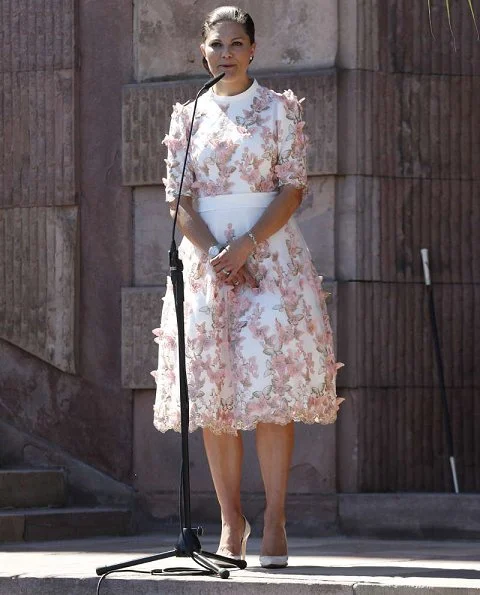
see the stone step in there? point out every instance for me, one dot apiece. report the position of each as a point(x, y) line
point(410, 516)
point(329, 566)
point(32, 488)
point(45, 524)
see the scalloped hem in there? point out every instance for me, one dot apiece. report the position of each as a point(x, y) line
point(233, 427)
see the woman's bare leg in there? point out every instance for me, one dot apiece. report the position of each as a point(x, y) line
point(225, 456)
point(274, 449)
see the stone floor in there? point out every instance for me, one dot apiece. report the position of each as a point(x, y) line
point(333, 566)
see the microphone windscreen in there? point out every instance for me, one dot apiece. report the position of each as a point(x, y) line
point(213, 81)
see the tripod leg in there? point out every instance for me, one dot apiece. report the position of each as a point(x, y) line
point(162, 556)
point(204, 561)
point(238, 563)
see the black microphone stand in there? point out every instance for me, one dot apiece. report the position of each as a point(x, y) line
point(188, 544)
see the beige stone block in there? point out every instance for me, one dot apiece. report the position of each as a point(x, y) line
point(38, 261)
point(407, 125)
point(147, 108)
point(156, 477)
point(383, 222)
point(358, 39)
point(385, 336)
point(152, 236)
point(349, 440)
point(397, 37)
point(12, 526)
point(37, 90)
point(309, 515)
point(392, 439)
point(153, 225)
point(157, 455)
point(38, 134)
point(167, 36)
point(315, 217)
point(37, 39)
point(141, 312)
point(358, 227)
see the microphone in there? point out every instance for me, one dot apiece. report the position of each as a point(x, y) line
point(210, 83)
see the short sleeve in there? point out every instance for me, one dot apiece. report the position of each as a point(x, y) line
point(291, 166)
point(176, 143)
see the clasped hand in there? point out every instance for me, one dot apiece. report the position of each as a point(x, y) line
point(231, 264)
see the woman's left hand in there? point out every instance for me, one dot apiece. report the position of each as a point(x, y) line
point(232, 258)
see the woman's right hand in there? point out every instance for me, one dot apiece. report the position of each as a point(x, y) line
point(242, 277)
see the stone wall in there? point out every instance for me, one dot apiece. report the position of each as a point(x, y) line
point(86, 90)
point(65, 225)
point(290, 36)
point(408, 179)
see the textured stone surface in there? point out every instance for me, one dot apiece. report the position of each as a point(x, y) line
point(38, 252)
point(358, 228)
point(41, 84)
point(446, 516)
point(26, 488)
point(348, 440)
point(384, 333)
point(161, 24)
point(73, 415)
point(393, 440)
point(37, 117)
point(152, 236)
point(44, 524)
point(316, 218)
point(147, 109)
point(37, 131)
point(396, 37)
point(157, 455)
point(87, 486)
point(403, 125)
point(141, 311)
point(34, 38)
point(358, 34)
point(407, 121)
point(156, 477)
point(68, 523)
point(308, 514)
point(12, 527)
point(318, 565)
point(153, 227)
point(383, 223)
point(106, 258)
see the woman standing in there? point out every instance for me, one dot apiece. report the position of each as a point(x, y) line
point(258, 338)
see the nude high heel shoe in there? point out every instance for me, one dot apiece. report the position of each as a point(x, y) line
point(274, 561)
point(243, 545)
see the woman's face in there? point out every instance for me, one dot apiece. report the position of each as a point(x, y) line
point(227, 48)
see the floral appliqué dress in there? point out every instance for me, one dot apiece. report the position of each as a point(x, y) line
point(252, 354)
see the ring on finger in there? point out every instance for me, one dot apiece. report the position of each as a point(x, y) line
point(227, 272)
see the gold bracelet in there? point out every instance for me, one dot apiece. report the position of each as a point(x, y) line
point(252, 237)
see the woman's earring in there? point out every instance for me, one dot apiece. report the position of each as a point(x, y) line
point(251, 59)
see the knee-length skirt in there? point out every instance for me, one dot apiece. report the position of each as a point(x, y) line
point(253, 354)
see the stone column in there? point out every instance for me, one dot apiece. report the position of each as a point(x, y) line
point(408, 179)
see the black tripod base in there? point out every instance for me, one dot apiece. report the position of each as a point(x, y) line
point(188, 546)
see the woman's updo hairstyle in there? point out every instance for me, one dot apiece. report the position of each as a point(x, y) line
point(231, 14)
